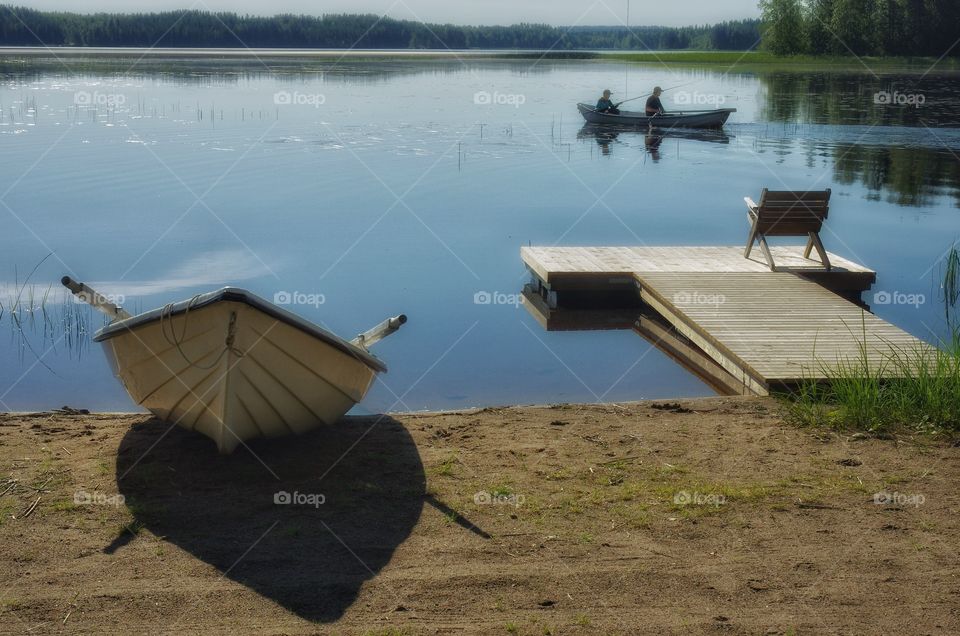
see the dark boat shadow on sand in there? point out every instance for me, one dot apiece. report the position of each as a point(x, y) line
point(309, 557)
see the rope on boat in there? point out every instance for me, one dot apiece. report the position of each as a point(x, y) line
point(166, 316)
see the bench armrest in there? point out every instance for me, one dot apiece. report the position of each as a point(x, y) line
point(750, 204)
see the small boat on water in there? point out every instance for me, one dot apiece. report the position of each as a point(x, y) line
point(233, 366)
point(715, 118)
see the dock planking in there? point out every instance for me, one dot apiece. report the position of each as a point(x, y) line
point(737, 325)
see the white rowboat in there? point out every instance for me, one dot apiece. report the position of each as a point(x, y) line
point(234, 367)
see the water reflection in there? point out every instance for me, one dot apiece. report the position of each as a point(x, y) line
point(915, 177)
point(862, 98)
point(607, 136)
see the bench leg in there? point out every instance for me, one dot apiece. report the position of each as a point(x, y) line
point(815, 240)
point(751, 238)
point(766, 253)
point(809, 247)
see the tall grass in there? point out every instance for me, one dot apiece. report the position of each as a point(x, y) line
point(951, 285)
point(916, 387)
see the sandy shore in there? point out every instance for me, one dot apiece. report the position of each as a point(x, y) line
point(704, 516)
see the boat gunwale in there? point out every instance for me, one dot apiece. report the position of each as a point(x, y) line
point(671, 119)
point(236, 294)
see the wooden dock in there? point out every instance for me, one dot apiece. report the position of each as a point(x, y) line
point(730, 320)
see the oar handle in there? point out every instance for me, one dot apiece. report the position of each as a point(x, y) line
point(381, 331)
point(94, 299)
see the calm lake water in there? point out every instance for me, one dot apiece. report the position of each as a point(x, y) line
point(360, 190)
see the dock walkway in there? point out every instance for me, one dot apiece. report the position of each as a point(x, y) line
point(739, 326)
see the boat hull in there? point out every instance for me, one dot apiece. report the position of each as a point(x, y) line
point(690, 119)
point(234, 372)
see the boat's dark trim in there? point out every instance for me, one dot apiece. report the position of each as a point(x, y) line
point(236, 295)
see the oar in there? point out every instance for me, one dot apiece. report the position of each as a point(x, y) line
point(378, 333)
point(94, 299)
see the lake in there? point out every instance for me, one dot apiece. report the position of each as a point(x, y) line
point(352, 190)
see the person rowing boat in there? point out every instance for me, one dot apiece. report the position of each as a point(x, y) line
point(654, 107)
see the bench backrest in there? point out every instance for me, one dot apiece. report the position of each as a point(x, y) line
point(788, 213)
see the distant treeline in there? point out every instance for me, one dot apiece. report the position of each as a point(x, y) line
point(862, 27)
point(27, 27)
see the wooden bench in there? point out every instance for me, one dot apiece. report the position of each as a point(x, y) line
point(788, 213)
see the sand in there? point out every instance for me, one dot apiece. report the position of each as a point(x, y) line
point(706, 516)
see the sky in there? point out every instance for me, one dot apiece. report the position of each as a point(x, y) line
point(556, 12)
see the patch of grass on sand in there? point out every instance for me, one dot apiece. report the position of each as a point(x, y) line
point(445, 468)
point(66, 505)
point(502, 490)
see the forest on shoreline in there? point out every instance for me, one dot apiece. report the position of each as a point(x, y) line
point(927, 28)
point(28, 27)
